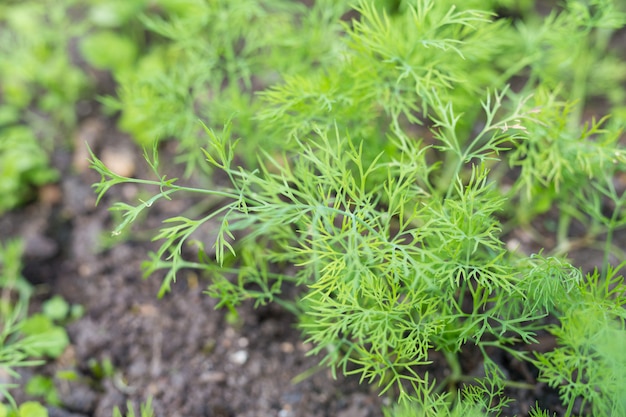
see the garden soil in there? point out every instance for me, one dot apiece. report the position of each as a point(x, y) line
point(189, 357)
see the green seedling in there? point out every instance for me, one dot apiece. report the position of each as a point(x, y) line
point(27, 409)
point(36, 68)
point(24, 339)
point(15, 350)
point(41, 386)
point(145, 410)
point(101, 369)
point(44, 325)
point(53, 338)
point(39, 90)
point(23, 166)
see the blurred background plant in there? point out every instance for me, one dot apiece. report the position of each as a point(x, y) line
point(26, 339)
point(40, 87)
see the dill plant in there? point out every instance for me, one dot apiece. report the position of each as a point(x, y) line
point(387, 202)
point(208, 58)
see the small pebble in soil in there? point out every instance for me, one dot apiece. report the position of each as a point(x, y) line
point(286, 412)
point(50, 194)
point(213, 376)
point(513, 245)
point(243, 342)
point(287, 347)
point(239, 357)
point(120, 161)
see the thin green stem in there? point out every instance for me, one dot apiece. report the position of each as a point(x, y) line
point(455, 376)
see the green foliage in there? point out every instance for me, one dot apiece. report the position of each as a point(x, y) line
point(25, 339)
point(186, 75)
point(41, 386)
point(482, 398)
point(23, 165)
point(590, 360)
point(27, 409)
point(39, 89)
point(573, 43)
point(536, 412)
point(435, 406)
point(393, 68)
point(53, 339)
point(107, 50)
point(56, 308)
point(15, 350)
point(101, 370)
point(36, 68)
point(394, 158)
point(11, 279)
point(145, 410)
